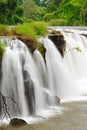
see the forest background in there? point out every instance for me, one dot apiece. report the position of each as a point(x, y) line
point(54, 12)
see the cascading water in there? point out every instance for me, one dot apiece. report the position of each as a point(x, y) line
point(76, 57)
point(21, 80)
point(35, 85)
point(60, 83)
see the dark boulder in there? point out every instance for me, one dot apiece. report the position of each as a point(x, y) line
point(18, 122)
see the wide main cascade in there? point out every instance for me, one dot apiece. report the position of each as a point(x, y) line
point(32, 84)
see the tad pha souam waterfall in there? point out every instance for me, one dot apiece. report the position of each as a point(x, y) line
point(31, 84)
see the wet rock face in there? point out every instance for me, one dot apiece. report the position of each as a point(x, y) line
point(29, 92)
point(57, 99)
point(30, 43)
point(18, 122)
point(84, 35)
point(58, 39)
point(42, 50)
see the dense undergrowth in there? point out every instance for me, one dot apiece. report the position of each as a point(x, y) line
point(30, 30)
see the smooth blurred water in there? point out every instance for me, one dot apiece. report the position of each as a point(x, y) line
point(35, 85)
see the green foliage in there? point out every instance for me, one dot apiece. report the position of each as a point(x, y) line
point(67, 12)
point(30, 30)
point(41, 49)
point(2, 49)
point(3, 30)
point(28, 20)
point(84, 13)
point(75, 48)
point(41, 2)
point(24, 30)
point(8, 10)
point(48, 16)
point(58, 22)
point(16, 19)
point(19, 11)
point(39, 28)
point(78, 49)
point(31, 10)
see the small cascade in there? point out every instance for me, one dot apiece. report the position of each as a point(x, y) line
point(76, 57)
point(12, 83)
point(60, 83)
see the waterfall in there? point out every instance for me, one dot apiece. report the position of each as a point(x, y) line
point(21, 80)
point(60, 82)
point(76, 60)
point(32, 84)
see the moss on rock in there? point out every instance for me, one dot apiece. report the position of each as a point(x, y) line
point(2, 48)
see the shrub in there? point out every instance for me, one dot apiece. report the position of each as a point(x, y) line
point(24, 30)
point(39, 28)
point(58, 22)
point(16, 19)
point(29, 20)
point(48, 16)
point(2, 49)
point(3, 29)
point(2, 46)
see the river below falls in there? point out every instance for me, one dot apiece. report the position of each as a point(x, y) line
point(74, 117)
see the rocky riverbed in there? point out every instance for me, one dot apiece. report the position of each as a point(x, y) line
point(74, 117)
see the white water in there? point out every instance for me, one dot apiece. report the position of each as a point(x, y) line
point(33, 84)
point(60, 82)
point(77, 61)
point(17, 59)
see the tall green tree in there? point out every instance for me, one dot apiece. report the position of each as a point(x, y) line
point(3, 11)
point(10, 11)
point(31, 10)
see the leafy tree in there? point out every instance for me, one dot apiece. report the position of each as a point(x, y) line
point(8, 10)
point(19, 11)
point(31, 10)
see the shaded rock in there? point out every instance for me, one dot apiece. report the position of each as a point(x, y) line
point(84, 35)
point(29, 92)
point(30, 43)
point(58, 39)
point(57, 99)
point(18, 122)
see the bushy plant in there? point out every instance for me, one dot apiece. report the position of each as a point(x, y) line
point(58, 22)
point(24, 30)
point(2, 46)
point(3, 29)
point(30, 30)
point(39, 28)
point(28, 20)
point(16, 19)
point(48, 16)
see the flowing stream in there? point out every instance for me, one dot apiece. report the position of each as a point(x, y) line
point(31, 86)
